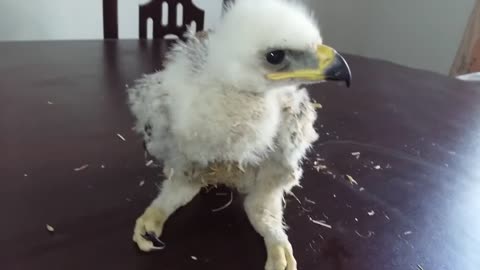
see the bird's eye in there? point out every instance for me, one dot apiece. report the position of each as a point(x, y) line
point(275, 57)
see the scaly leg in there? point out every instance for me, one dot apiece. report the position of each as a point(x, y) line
point(176, 192)
point(265, 211)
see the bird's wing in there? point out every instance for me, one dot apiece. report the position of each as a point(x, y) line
point(149, 103)
point(150, 99)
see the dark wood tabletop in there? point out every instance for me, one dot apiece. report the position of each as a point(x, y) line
point(395, 173)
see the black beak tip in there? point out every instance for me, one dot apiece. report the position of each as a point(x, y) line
point(341, 74)
point(348, 77)
point(346, 72)
point(340, 71)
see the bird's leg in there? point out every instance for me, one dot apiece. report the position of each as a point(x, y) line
point(265, 211)
point(176, 192)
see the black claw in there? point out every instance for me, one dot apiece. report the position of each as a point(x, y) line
point(154, 239)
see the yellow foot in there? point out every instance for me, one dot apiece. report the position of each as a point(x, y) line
point(280, 257)
point(148, 229)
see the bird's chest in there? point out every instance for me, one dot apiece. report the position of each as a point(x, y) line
point(254, 123)
point(236, 127)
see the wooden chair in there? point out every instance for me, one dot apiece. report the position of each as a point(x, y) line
point(153, 10)
point(110, 19)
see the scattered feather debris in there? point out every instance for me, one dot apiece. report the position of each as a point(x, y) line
point(407, 233)
point(320, 167)
point(317, 105)
point(81, 168)
point(377, 167)
point(406, 241)
point(295, 197)
point(309, 201)
point(194, 258)
point(320, 222)
point(334, 195)
point(150, 162)
point(141, 183)
point(121, 137)
point(351, 180)
point(356, 154)
point(49, 102)
point(371, 213)
point(25, 175)
point(226, 205)
point(386, 216)
point(324, 215)
point(368, 235)
point(356, 219)
point(304, 210)
point(49, 228)
point(419, 267)
point(361, 189)
point(331, 173)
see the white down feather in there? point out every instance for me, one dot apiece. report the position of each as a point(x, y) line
point(212, 103)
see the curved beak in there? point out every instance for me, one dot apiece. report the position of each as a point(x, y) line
point(336, 68)
point(329, 65)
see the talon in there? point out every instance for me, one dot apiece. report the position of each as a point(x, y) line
point(148, 229)
point(157, 243)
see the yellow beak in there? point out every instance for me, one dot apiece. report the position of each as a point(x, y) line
point(331, 67)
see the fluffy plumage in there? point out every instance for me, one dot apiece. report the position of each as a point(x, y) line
point(213, 117)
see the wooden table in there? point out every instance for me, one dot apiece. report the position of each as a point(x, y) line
point(62, 104)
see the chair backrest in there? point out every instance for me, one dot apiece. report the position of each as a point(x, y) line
point(110, 19)
point(154, 9)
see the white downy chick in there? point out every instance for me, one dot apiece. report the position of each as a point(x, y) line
point(228, 109)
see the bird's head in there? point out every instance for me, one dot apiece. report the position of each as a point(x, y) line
point(265, 44)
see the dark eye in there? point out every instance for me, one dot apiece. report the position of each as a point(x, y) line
point(275, 57)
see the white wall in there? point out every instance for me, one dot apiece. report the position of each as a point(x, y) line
point(76, 19)
point(418, 33)
point(50, 19)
